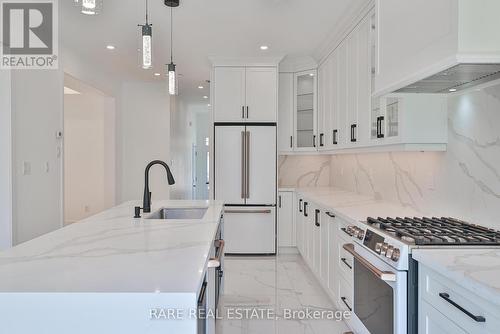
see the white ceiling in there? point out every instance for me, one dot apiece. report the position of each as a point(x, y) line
point(202, 28)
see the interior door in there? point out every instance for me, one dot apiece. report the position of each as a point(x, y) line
point(229, 94)
point(261, 94)
point(229, 157)
point(261, 182)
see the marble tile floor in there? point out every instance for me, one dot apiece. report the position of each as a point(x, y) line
point(279, 284)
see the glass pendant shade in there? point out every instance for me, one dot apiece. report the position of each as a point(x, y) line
point(147, 56)
point(172, 79)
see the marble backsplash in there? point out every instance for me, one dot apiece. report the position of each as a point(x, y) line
point(304, 171)
point(463, 182)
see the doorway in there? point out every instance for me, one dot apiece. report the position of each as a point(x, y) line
point(201, 157)
point(89, 150)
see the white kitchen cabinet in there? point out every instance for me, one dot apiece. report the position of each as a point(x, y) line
point(325, 225)
point(261, 94)
point(286, 219)
point(229, 94)
point(410, 119)
point(421, 38)
point(453, 307)
point(299, 221)
point(245, 94)
point(324, 107)
point(316, 234)
point(285, 112)
point(305, 115)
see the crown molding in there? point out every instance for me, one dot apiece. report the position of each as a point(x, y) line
point(218, 61)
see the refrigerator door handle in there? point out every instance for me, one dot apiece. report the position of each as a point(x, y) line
point(243, 164)
point(247, 171)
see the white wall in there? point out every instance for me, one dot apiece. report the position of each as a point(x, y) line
point(5, 162)
point(143, 130)
point(37, 105)
point(89, 127)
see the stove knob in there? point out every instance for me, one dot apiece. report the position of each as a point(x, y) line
point(356, 232)
point(396, 254)
point(378, 247)
point(384, 248)
point(361, 234)
point(389, 252)
point(350, 230)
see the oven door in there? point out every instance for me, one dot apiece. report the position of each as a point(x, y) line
point(380, 294)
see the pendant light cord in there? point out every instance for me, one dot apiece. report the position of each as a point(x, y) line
point(147, 12)
point(171, 36)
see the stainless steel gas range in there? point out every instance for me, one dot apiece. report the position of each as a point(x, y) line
point(385, 275)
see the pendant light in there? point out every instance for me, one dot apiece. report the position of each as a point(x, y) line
point(172, 76)
point(89, 7)
point(147, 40)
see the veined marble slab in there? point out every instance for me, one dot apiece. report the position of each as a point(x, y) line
point(477, 270)
point(107, 274)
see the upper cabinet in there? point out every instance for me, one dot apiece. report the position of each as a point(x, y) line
point(285, 113)
point(419, 39)
point(245, 94)
point(305, 111)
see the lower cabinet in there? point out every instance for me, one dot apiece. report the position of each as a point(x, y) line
point(431, 321)
point(286, 219)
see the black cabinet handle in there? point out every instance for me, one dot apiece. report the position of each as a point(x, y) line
point(300, 205)
point(353, 133)
point(344, 301)
point(346, 263)
point(314, 140)
point(379, 127)
point(279, 201)
point(242, 111)
point(321, 135)
point(316, 218)
point(329, 214)
point(476, 318)
point(291, 141)
point(334, 136)
point(247, 111)
point(305, 209)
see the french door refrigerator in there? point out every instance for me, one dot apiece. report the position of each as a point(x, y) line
point(245, 179)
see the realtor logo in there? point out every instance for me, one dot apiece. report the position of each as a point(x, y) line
point(29, 34)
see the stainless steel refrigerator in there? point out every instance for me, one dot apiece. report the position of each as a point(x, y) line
point(245, 179)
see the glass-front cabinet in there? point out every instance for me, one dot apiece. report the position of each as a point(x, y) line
point(305, 110)
point(385, 117)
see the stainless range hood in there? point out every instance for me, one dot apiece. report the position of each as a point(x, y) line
point(456, 78)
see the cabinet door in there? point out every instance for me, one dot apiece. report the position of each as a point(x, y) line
point(261, 94)
point(363, 81)
point(344, 133)
point(333, 255)
point(228, 164)
point(333, 119)
point(325, 247)
point(431, 321)
point(352, 86)
point(299, 221)
point(323, 104)
point(307, 231)
point(229, 94)
point(305, 111)
point(316, 225)
point(285, 113)
point(261, 187)
point(286, 226)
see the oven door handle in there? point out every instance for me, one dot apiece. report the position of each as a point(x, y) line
point(387, 276)
point(215, 262)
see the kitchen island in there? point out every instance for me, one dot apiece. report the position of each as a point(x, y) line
point(110, 273)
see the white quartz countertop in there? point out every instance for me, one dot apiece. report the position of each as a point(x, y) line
point(477, 270)
point(352, 206)
point(113, 252)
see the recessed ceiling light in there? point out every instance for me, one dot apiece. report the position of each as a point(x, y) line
point(200, 87)
point(311, 74)
point(209, 105)
point(110, 47)
point(205, 97)
point(264, 47)
point(157, 74)
point(452, 89)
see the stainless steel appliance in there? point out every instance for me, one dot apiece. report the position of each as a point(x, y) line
point(386, 276)
point(245, 179)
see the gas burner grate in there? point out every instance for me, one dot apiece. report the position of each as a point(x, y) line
point(437, 231)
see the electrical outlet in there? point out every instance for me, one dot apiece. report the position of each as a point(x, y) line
point(26, 168)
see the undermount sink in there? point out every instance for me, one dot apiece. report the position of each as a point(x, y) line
point(178, 213)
